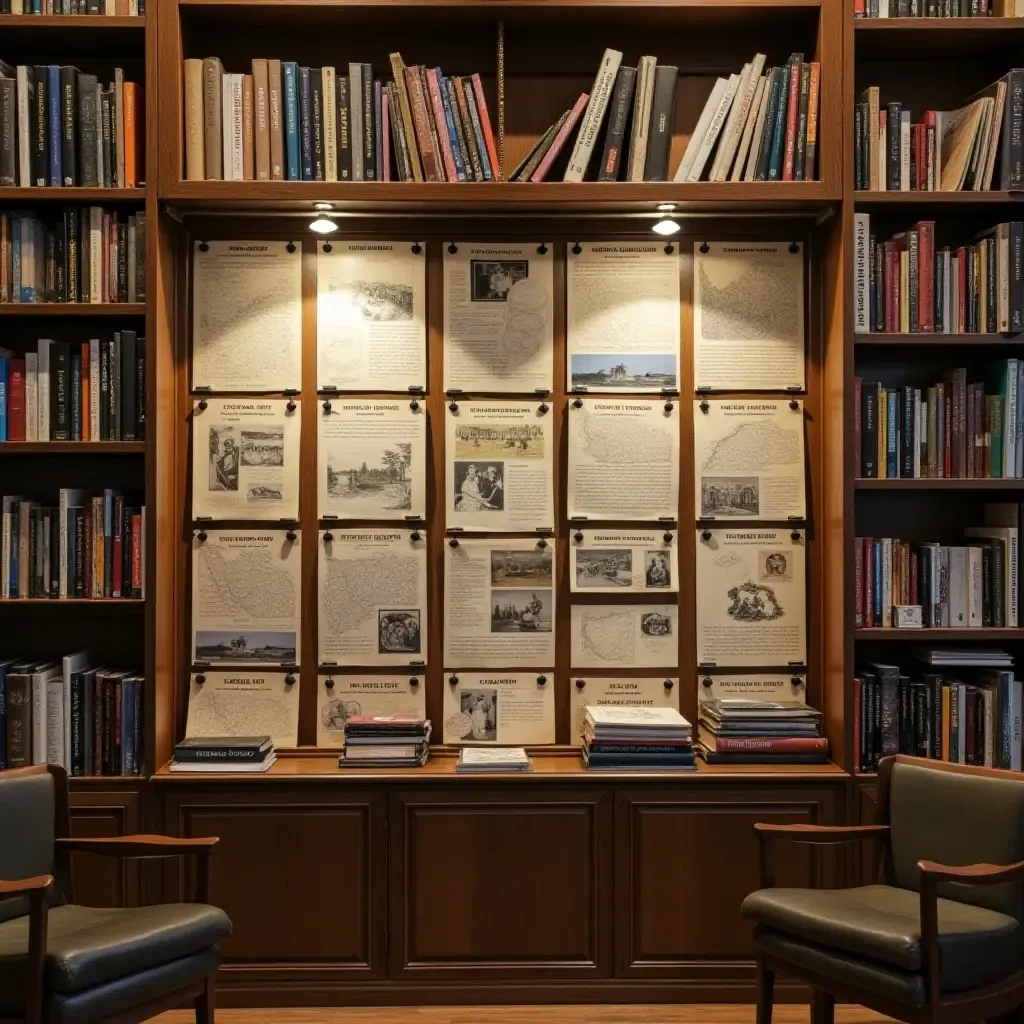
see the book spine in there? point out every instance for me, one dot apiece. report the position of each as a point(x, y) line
point(659, 139)
point(305, 125)
point(778, 132)
point(344, 128)
point(195, 159)
point(560, 139)
point(441, 121)
point(275, 113)
point(480, 101)
point(811, 150)
point(421, 124)
point(316, 124)
point(597, 103)
point(792, 118)
point(290, 102)
point(369, 128)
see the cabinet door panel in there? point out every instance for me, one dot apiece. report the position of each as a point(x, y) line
point(100, 809)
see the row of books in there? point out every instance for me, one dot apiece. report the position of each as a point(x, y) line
point(89, 720)
point(80, 547)
point(907, 285)
point(945, 150)
point(953, 429)
point(75, 391)
point(912, 584)
point(632, 738)
point(61, 127)
point(740, 731)
point(110, 8)
point(938, 8)
point(975, 719)
point(79, 254)
point(292, 123)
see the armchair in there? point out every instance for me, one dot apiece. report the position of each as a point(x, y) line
point(68, 964)
point(940, 938)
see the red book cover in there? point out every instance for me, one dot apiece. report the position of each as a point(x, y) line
point(442, 125)
point(869, 581)
point(86, 405)
point(136, 556)
point(858, 583)
point(16, 400)
point(915, 597)
point(926, 275)
point(485, 126)
point(791, 114)
point(856, 722)
point(771, 744)
point(385, 122)
point(947, 440)
point(961, 289)
point(969, 460)
point(421, 124)
point(560, 139)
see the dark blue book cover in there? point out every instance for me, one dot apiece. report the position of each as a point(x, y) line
point(290, 73)
point(779, 128)
point(4, 665)
point(449, 115)
point(54, 109)
point(306, 124)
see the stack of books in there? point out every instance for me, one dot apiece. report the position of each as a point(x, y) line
point(224, 754)
point(625, 738)
point(937, 8)
point(760, 732)
point(385, 741)
point(493, 759)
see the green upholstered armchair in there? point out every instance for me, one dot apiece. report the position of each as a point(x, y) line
point(940, 938)
point(67, 964)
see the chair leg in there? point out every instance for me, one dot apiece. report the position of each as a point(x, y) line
point(823, 1007)
point(205, 1003)
point(765, 991)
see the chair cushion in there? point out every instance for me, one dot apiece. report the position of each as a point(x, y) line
point(978, 946)
point(87, 946)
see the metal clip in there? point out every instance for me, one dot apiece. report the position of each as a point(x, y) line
point(453, 680)
point(328, 247)
point(201, 536)
point(578, 536)
point(794, 405)
point(329, 682)
point(705, 535)
point(794, 247)
point(200, 679)
point(581, 684)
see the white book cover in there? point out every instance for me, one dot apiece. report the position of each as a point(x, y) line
point(989, 711)
point(975, 588)
point(1018, 446)
point(958, 594)
point(330, 125)
point(643, 97)
point(94, 389)
point(740, 163)
point(736, 121)
point(586, 137)
point(693, 145)
point(237, 160)
point(639, 716)
point(96, 255)
point(31, 396)
point(1003, 276)
point(917, 432)
point(886, 581)
point(1010, 421)
point(905, 151)
point(714, 128)
point(226, 132)
point(70, 664)
point(44, 389)
point(25, 90)
point(861, 273)
point(40, 711)
point(355, 118)
point(750, 171)
point(734, 111)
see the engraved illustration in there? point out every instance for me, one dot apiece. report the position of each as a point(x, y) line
point(655, 624)
point(226, 645)
point(731, 565)
point(729, 496)
point(657, 570)
point(774, 565)
point(608, 634)
point(354, 587)
point(499, 441)
point(604, 567)
point(492, 280)
point(760, 302)
point(398, 632)
point(254, 584)
point(379, 300)
point(223, 442)
point(383, 480)
point(619, 440)
point(754, 602)
point(480, 706)
point(515, 568)
point(335, 713)
point(263, 447)
point(213, 712)
point(750, 447)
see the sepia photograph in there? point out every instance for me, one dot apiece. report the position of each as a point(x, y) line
point(479, 487)
point(526, 611)
point(398, 631)
point(774, 566)
point(632, 371)
point(480, 706)
point(215, 645)
point(729, 496)
point(385, 481)
point(492, 280)
point(655, 624)
point(263, 447)
point(223, 459)
point(264, 492)
point(531, 568)
point(382, 301)
point(657, 570)
point(604, 567)
point(499, 441)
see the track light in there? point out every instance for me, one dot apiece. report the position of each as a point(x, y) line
point(324, 226)
point(665, 227)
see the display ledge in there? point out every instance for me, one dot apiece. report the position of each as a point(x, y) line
point(938, 484)
point(72, 309)
point(313, 764)
point(935, 37)
point(75, 447)
point(60, 194)
point(803, 198)
point(986, 633)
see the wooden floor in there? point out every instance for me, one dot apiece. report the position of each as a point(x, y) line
point(701, 1014)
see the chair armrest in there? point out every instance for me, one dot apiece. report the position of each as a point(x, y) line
point(35, 889)
point(819, 835)
point(970, 874)
point(25, 886)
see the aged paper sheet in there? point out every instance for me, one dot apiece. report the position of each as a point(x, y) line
point(748, 316)
point(499, 603)
point(623, 460)
point(246, 316)
point(245, 459)
point(751, 597)
point(508, 708)
point(372, 591)
point(623, 562)
point(340, 696)
point(625, 636)
point(498, 317)
point(498, 459)
point(749, 457)
point(752, 686)
point(622, 314)
point(245, 597)
point(371, 459)
point(237, 702)
point(648, 691)
point(371, 329)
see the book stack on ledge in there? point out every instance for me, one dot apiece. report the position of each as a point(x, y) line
point(623, 738)
point(959, 706)
point(385, 741)
point(223, 754)
point(741, 731)
point(283, 122)
point(486, 760)
point(938, 8)
point(944, 151)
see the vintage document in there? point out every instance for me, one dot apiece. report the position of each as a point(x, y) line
point(245, 459)
point(622, 314)
point(246, 598)
point(623, 460)
point(753, 686)
point(371, 328)
point(498, 317)
point(748, 316)
point(648, 691)
point(340, 696)
point(371, 459)
point(751, 596)
point(243, 703)
point(624, 562)
point(498, 459)
point(510, 708)
point(372, 595)
point(625, 636)
point(246, 316)
point(499, 603)
point(749, 457)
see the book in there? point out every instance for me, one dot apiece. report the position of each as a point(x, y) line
point(659, 139)
point(593, 119)
point(618, 119)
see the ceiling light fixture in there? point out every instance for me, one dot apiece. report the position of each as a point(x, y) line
point(666, 207)
point(665, 227)
point(323, 206)
point(323, 226)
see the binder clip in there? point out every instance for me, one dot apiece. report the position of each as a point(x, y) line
point(794, 404)
point(328, 247)
point(578, 536)
point(794, 247)
point(329, 682)
point(414, 680)
point(705, 406)
point(705, 535)
point(200, 679)
point(796, 536)
point(667, 536)
point(669, 684)
point(577, 249)
point(201, 536)
point(707, 682)
point(328, 536)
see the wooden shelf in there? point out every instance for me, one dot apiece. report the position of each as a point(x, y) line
point(938, 484)
point(13, 22)
point(72, 309)
point(988, 634)
point(938, 339)
point(72, 447)
point(94, 196)
point(940, 199)
point(934, 37)
point(78, 602)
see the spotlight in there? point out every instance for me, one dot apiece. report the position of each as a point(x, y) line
point(324, 226)
point(665, 227)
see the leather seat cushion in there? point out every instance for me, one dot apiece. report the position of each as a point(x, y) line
point(88, 946)
point(979, 946)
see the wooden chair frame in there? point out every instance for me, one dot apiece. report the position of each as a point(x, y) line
point(960, 1008)
point(200, 994)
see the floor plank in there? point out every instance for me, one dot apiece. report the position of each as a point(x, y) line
point(697, 1014)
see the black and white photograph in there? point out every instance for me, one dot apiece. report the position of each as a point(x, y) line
point(655, 624)
point(398, 631)
point(521, 568)
point(223, 459)
point(599, 568)
point(774, 566)
point(736, 496)
point(492, 280)
point(382, 300)
point(264, 492)
point(382, 481)
point(753, 602)
point(262, 448)
point(499, 441)
point(222, 645)
point(521, 611)
point(480, 705)
point(657, 570)
point(479, 487)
